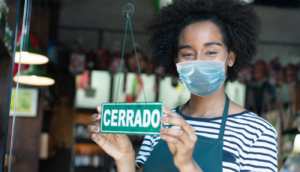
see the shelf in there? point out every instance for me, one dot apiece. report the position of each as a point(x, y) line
point(86, 111)
point(291, 131)
point(88, 141)
point(83, 118)
point(87, 148)
point(89, 169)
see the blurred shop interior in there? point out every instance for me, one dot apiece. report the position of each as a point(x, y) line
point(80, 43)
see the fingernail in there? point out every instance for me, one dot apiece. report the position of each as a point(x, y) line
point(96, 128)
point(162, 118)
point(161, 135)
point(164, 108)
point(97, 135)
point(98, 107)
point(99, 115)
point(162, 129)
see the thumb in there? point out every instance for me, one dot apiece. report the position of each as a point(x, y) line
point(99, 109)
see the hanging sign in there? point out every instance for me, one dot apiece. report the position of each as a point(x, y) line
point(131, 118)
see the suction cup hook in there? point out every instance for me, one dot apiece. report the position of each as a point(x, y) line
point(127, 10)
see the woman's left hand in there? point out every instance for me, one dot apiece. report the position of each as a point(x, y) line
point(181, 142)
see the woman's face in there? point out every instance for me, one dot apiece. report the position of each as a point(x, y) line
point(203, 41)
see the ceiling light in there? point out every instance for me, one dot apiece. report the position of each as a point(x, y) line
point(30, 51)
point(34, 76)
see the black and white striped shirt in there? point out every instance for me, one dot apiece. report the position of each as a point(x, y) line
point(249, 143)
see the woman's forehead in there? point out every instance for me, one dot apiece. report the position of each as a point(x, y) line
point(200, 33)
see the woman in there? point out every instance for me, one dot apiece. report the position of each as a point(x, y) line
point(205, 42)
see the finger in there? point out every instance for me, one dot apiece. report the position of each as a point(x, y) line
point(178, 133)
point(172, 141)
point(188, 129)
point(170, 113)
point(99, 109)
point(95, 137)
point(95, 119)
point(99, 138)
point(93, 129)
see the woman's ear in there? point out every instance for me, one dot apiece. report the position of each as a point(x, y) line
point(231, 59)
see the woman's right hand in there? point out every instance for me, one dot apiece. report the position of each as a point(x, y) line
point(117, 146)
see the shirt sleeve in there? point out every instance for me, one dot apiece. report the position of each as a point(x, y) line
point(263, 154)
point(145, 150)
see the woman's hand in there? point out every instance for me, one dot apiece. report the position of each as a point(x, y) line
point(181, 142)
point(117, 146)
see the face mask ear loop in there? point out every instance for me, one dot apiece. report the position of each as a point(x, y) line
point(226, 65)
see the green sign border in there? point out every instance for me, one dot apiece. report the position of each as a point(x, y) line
point(126, 132)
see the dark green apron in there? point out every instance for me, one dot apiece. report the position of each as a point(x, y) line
point(208, 152)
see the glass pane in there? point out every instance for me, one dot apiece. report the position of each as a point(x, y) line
point(8, 20)
point(68, 60)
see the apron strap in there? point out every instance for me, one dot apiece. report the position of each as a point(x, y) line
point(183, 106)
point(224, 119)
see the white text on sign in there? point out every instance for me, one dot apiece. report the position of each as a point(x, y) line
point(127, 118)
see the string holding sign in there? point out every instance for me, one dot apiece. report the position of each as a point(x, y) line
point(127, 12)
point(139, 118)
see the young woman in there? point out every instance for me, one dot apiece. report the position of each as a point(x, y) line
point(205, 42)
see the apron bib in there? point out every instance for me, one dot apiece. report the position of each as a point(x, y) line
point(208, 152)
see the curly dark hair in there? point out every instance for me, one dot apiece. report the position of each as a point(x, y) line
point(237, 21)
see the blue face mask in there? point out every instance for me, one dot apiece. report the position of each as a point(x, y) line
point(202, 78)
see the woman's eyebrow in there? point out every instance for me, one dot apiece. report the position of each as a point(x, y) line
point(212, 43)
point(184, 46)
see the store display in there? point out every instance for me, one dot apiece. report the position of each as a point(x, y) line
point(290, 72)
point(272, 93)
point(172, 96)
point(82, 133)
point(292, 163)
point(136, 90)
point(90, 60)
point(103, 59)
point(296, 147)
point(245, 75)
point(84, 82)
point(101, 89)
point(133, 87)
point(88, 157)
point(77, 63)
point(133, 66)
point(273, 70)
point(87, 154)
point(236, 92)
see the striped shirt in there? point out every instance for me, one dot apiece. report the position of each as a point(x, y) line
point(249, 143)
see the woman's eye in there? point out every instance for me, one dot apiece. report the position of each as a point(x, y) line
point(211, 53)
point(188, 54)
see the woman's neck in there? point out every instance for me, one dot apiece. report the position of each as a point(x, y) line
point(206, 107)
